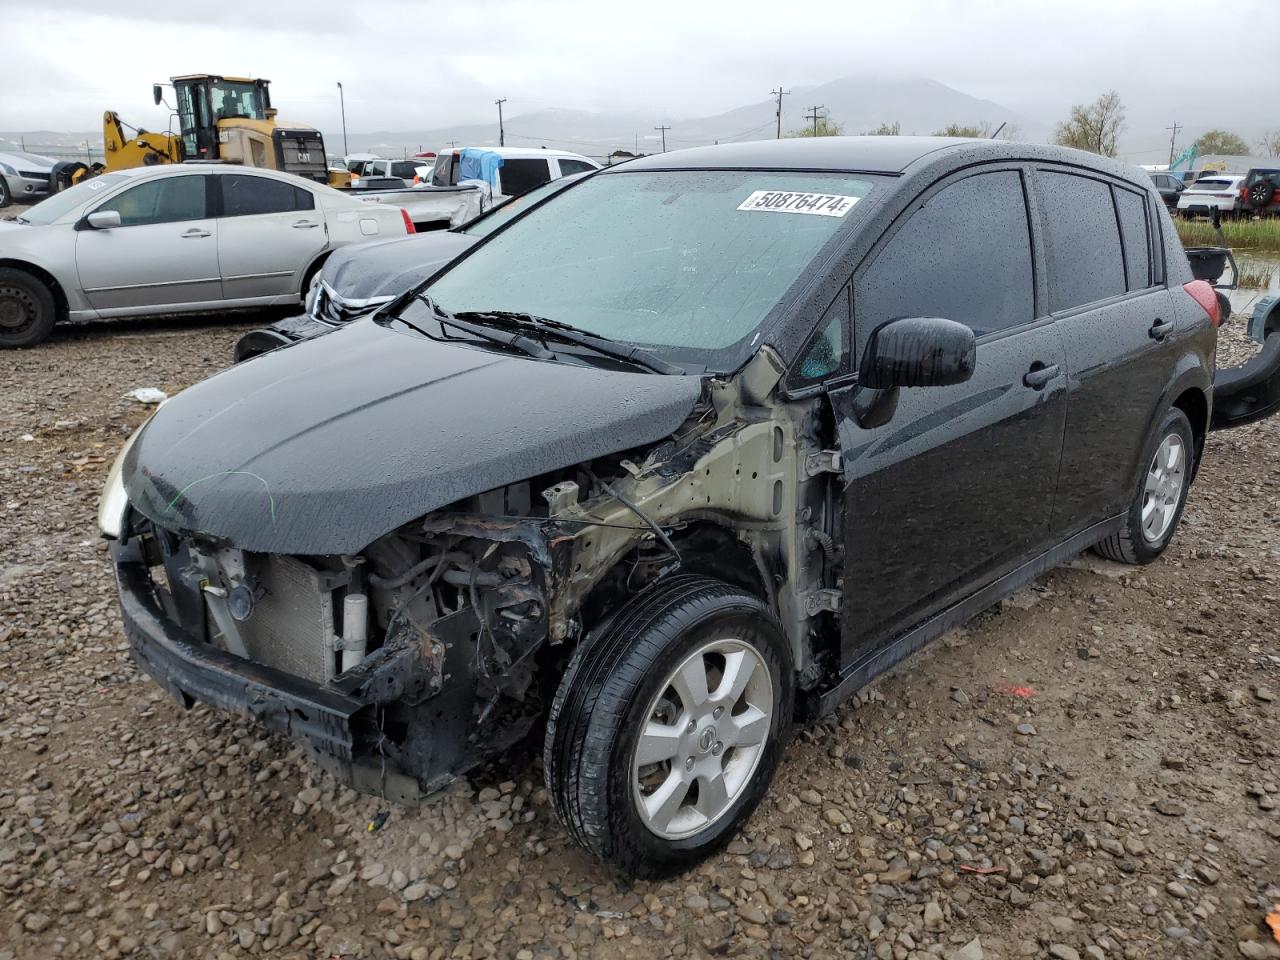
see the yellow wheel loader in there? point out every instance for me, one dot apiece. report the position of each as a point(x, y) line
point(229, 119)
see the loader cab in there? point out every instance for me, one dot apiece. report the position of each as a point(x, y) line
point(203, 100)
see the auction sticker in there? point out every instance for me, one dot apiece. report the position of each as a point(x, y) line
point(781, 201)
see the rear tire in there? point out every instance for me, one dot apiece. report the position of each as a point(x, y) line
point(27, 309)
point(712, 750)
point(1160, 497)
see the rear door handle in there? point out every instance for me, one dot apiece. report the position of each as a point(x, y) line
point(1039, 375)
point(305, 225)
point(196, 232)
point(1160, 329)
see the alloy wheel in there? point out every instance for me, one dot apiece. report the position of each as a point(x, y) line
point(704, 734)
point(1162, 493)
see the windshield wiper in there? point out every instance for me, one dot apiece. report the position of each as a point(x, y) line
point(569, 334)
point(518, 341)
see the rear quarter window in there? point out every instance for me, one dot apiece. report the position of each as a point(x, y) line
point(1136, 233)
point(1085, 257)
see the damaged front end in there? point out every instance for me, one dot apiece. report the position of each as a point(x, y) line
point(402, 666)
point(440, 644)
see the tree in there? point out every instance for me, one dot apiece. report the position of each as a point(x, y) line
point(984, 130)
point(1094, 127)
point(825, 127)
point(1270, 143)
point(1221, 142)
point(980, 131)
point(885, 130)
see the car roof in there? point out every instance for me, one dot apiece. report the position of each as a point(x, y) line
point(205, 166)
point(518, 153)
point(875, 155)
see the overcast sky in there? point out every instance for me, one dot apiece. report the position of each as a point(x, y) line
point(423, 64)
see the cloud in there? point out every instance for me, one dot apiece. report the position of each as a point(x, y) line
point(421, 65)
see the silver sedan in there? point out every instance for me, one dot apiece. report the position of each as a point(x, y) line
point(23, 176)
point(186, 238)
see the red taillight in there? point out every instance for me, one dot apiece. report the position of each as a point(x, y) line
point(1202, 292)
point(408, 224)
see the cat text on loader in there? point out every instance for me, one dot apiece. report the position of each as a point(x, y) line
point(219, 118)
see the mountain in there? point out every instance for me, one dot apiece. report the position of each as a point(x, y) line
point(858, 103)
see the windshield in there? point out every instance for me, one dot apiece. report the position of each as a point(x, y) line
point(1211, 184)
point(686, 263)
point(232, 99)
point(485, 224)
point(60, 204)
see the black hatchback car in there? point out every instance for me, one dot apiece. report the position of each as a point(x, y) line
point(687, 453)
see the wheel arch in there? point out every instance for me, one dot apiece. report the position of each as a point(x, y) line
point(707, 548)
point(45, 277)
point(1194, 402)
point(314, 267)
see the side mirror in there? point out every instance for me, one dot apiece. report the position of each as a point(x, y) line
point(157, 93)
point(918, 352)
point(103, 219)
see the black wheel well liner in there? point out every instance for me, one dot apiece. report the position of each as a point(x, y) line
point(1195, 405)
point(44, 276)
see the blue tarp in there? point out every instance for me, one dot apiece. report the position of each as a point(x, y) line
point(480, 165)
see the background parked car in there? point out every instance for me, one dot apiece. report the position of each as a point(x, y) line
point(1221, 191)
point(522, 168)
point(24, 176)
point(1260, 193)
point(180, 238)
point(359, 279)
point(1169, 187)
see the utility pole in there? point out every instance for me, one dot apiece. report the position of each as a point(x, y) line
point(342, 101)
point(1172, 139)
point(815, 116)
point(779, 93)
point(664, 128)
point(502, 136)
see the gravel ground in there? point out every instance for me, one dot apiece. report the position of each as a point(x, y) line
point(1088, 771)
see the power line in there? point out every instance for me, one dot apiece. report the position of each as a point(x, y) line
point(815, 116)
point(664, 128)
point(780, 93)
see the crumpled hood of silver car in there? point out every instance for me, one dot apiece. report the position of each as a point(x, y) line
point(325, 446)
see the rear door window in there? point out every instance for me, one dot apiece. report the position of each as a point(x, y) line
point(964, 254)
point(569, 166)
point(521, 175)
point(1136, 232)
point(1082, 239)
point(244, 195)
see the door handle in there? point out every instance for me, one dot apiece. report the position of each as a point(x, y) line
point(305, 225)
point(195, 232)
point(1039, 375)
point(1160, 329)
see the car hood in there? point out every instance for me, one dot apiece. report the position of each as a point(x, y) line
point(389, 267)
point(326, 446)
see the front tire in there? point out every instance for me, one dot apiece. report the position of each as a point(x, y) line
point(27, 309)
point(669, 725)
point(1161, 495)
point(5, 195)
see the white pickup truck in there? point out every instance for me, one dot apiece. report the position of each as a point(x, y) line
point(452, 198)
